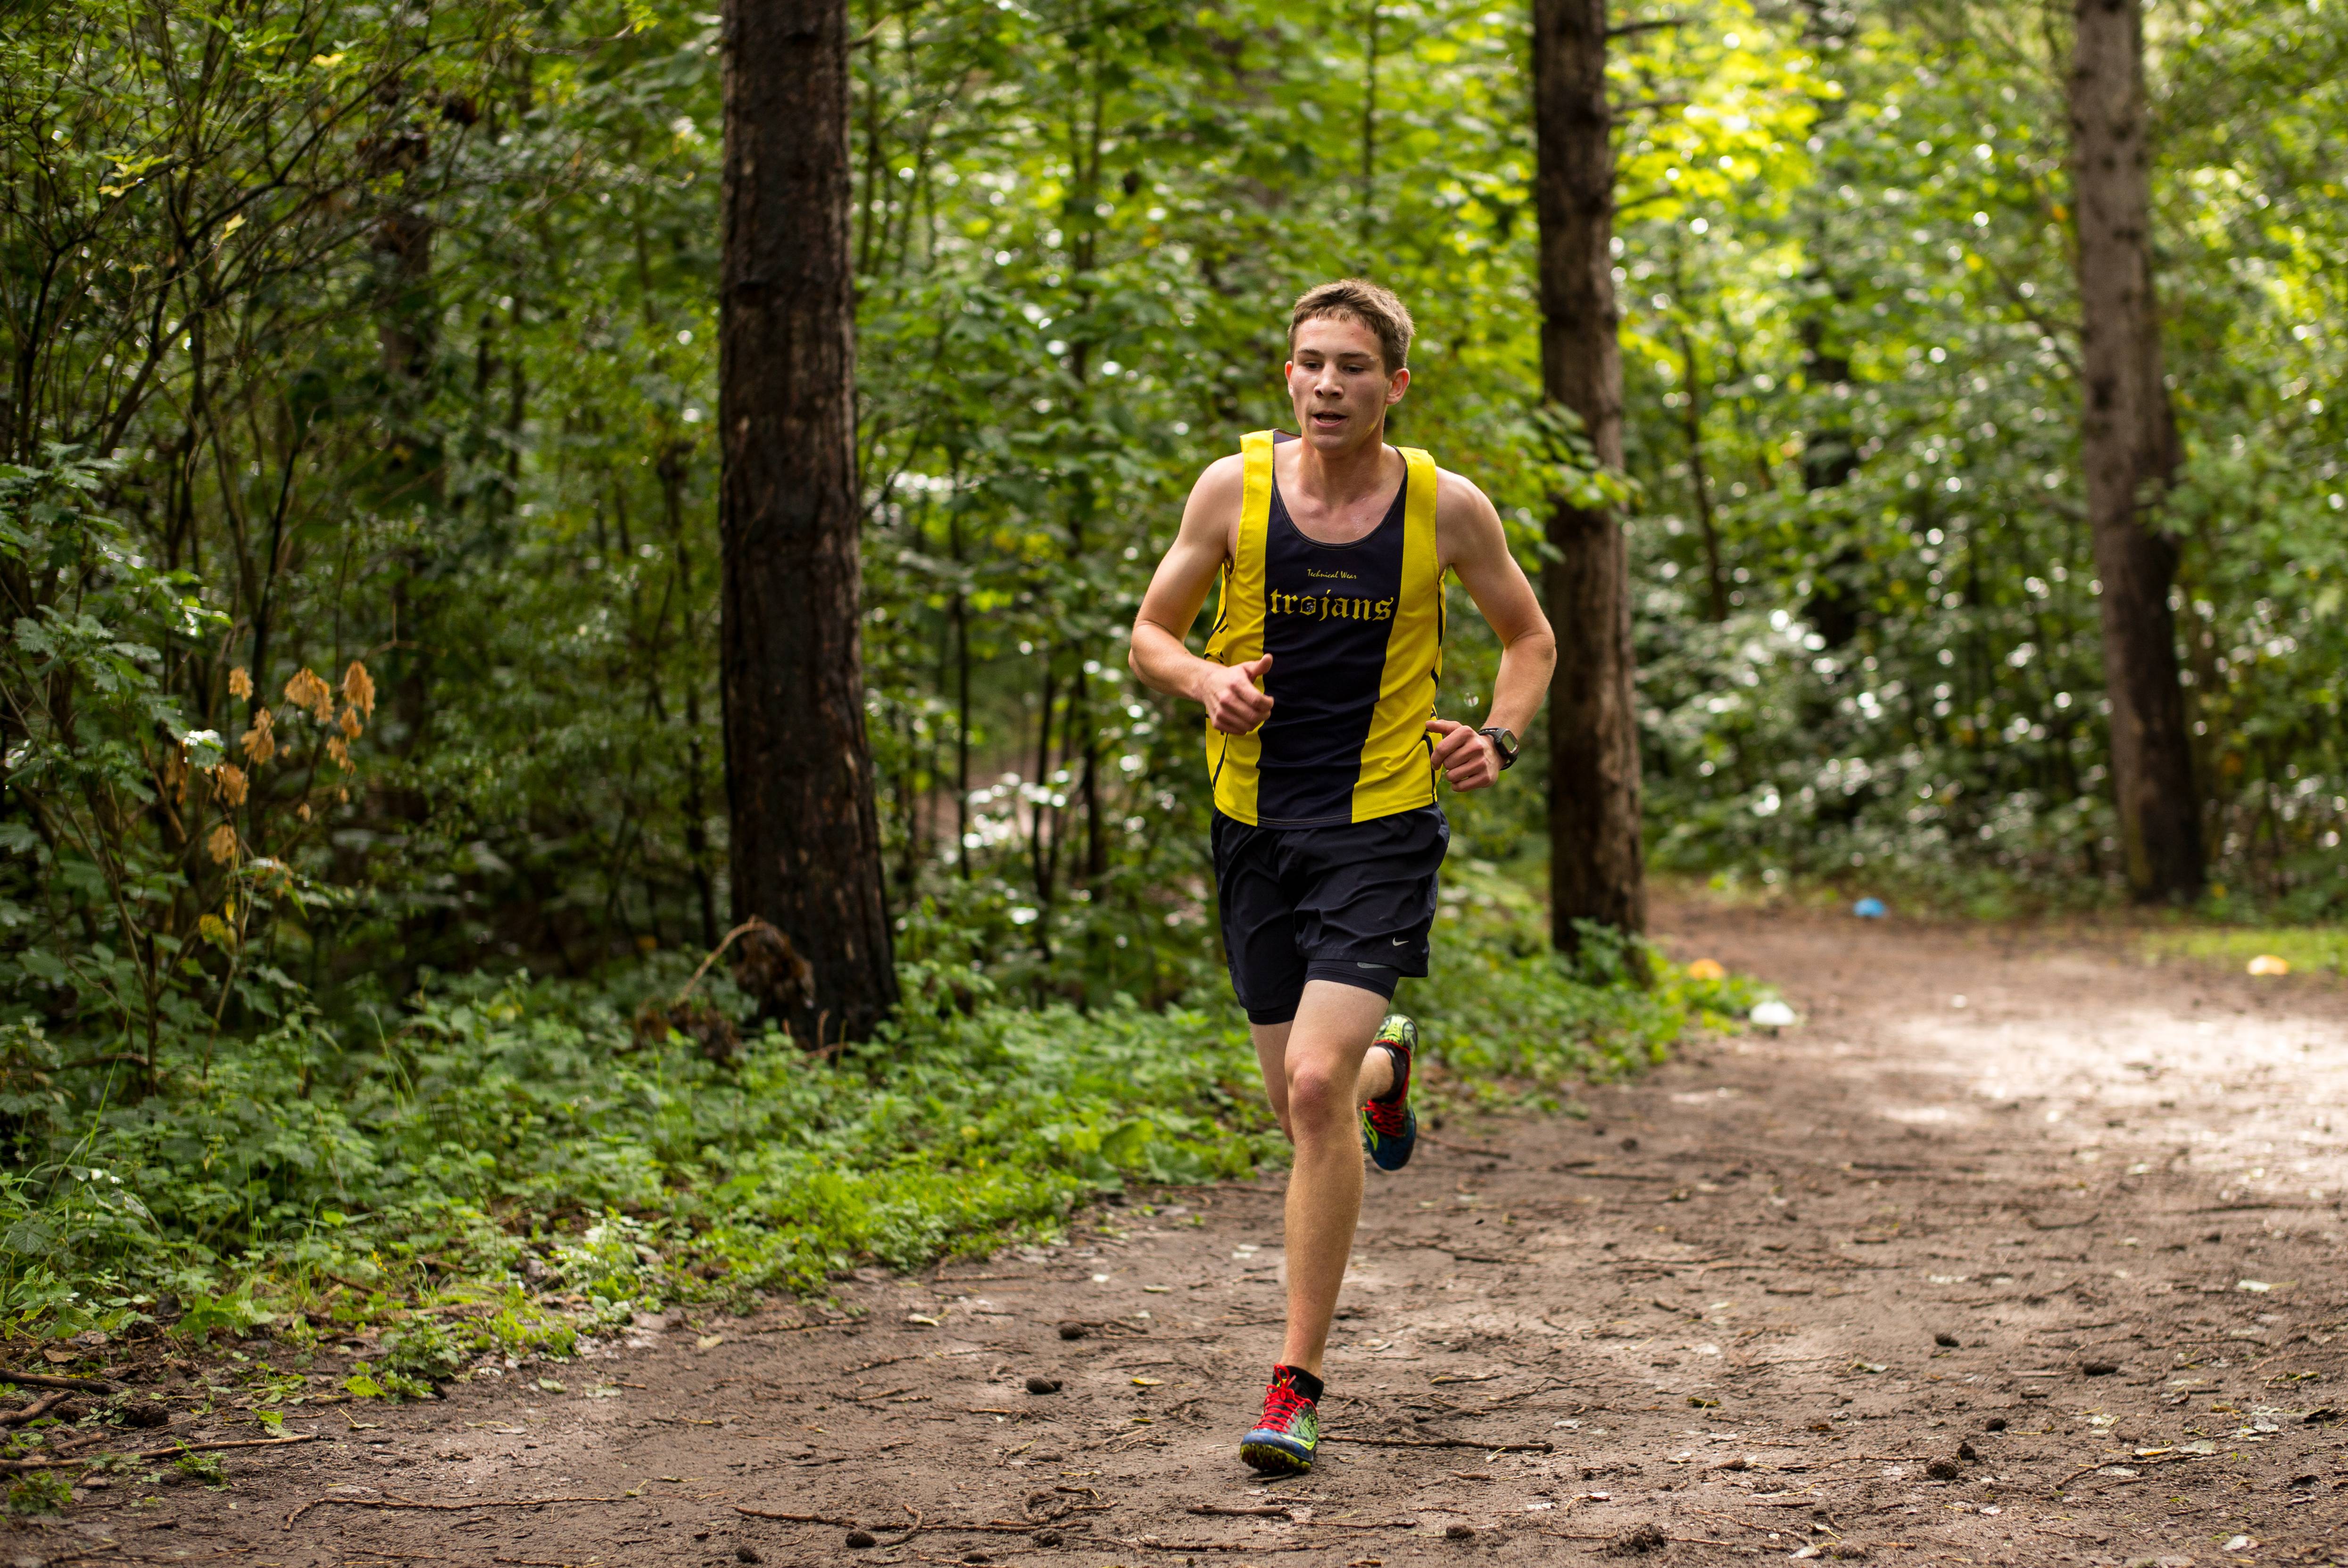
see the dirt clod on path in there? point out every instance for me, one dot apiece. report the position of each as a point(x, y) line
point(2052, 1276)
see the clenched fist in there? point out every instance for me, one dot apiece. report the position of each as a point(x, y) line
point(1467, 758)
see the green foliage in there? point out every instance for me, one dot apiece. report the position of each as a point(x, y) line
point(557, 1172)
point(204, 1468)
point(2309, 950)
point(39, 1491)
point(354, 349)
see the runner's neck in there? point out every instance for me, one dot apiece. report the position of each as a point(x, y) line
point(1337, 496)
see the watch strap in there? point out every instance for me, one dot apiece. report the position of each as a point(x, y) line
point(1503, 743)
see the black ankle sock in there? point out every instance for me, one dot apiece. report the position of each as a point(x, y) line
point(1401, 1076)
point(1303, 1382)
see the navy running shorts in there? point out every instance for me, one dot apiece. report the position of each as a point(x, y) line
point(1352, 902)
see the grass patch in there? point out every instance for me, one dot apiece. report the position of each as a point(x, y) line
point(2308, 950)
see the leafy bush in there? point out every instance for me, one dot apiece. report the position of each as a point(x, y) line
point(515, 1145)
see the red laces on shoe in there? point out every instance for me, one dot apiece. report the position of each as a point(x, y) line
point(1282, 1403)
point(1387, 1117)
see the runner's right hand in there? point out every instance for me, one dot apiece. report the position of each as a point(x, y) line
point(1234, 705)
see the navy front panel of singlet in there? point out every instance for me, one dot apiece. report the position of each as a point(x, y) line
point(1327, 612)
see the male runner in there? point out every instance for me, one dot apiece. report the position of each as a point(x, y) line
point(1319, 685)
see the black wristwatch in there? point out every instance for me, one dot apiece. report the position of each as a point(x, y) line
point(1505, 742)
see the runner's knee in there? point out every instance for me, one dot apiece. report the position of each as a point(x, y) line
point(1317, 1092)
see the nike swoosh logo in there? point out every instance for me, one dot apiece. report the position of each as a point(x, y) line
point(1402, 941)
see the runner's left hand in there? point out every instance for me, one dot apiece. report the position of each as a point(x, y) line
point(1469, 759)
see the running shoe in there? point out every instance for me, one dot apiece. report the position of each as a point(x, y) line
point(1389, 1126)
point(1286, 1440)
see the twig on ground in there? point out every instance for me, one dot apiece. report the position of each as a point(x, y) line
point(1616, 1535)
point(1426, 1137)
point(19, 1466)
point(437, 1507)
point(1440, 1443)
point(916, 1530)
point(796, 1518)
point(49, 1381)
point(1741, 1523)
point(1151, 1544)
point(35, 1410)
point(1220, 1511)
point(2133, 1464)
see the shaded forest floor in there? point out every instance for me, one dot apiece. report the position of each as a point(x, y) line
point(2052, 1276)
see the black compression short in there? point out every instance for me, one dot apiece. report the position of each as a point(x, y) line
point(1352, 903)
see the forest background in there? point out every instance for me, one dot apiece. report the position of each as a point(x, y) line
point(364, 815)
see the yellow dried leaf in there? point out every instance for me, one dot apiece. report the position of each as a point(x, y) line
point(351, 722)
point(222, 844)
point(215, 931)
point(240, 683)
point(358, 688)
point(340, 750)
point(229, 783)
point(303, 810)
point(307, 691)
point(260, 742)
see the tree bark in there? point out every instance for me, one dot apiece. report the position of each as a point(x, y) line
point(1597, 866)
point(806, 852)
point(2129, 444)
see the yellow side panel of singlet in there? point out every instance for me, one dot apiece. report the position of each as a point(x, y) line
point(1396, 772)
point(1237, 636)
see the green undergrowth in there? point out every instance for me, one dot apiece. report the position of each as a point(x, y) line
point(517, 1156)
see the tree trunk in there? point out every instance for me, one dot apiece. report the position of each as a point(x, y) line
point(1597, 868)
point(2129, 444)
point(799, 770)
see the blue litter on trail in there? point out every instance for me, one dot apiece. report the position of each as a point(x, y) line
point(1869, 909)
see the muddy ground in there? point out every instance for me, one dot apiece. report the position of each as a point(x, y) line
point(2015, 1251)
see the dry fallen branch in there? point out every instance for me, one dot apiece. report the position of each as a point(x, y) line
point(35, 1410)
point(437, 1507)
point(1424, 1137)
point(19, 1466)
point(1151, 1543)
point(1220, 1511)
point(1441, 1443)
point(2128, 1464)
point(49, 1381)
point(796, 1518)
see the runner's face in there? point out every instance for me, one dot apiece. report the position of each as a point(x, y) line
point(1339, 383)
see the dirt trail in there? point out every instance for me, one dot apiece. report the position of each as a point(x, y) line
point(2052, 1275)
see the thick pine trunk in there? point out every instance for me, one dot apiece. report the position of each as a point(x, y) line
point(1597, 868)
point(2129, 443)
point(799, 770)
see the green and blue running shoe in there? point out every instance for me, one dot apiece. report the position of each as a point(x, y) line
point(1389, 1127)
point(1286, 1439)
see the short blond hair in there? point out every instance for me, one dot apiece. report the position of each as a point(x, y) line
point(1359, 300)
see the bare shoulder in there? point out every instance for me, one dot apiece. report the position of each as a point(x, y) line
point(1212, 513)
point(1465, 518)
point(1224, 479)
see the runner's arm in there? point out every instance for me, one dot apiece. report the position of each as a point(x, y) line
point(1476, 546)
point(1156, 655)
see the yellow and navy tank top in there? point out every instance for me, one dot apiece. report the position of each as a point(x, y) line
point(1355, 632)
